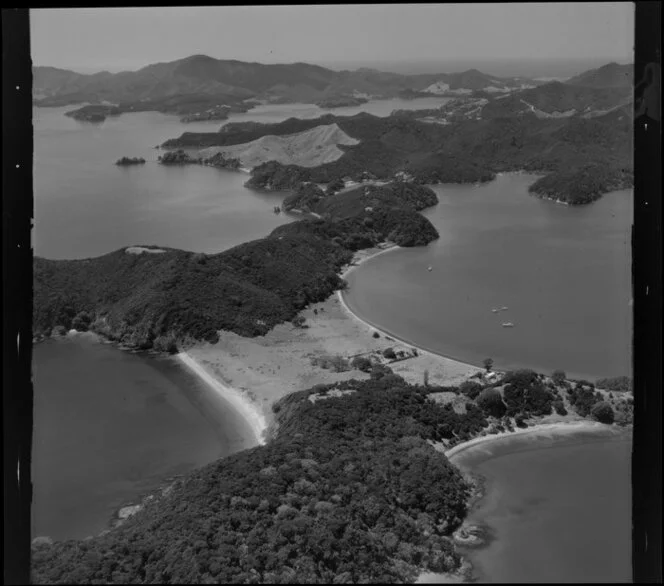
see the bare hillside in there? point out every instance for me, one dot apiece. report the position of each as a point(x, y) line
point(310, 148)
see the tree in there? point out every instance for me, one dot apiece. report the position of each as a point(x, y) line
point(491, 402)
point(519, 420)
point(376, 335)
point(425, 378)
point(603, 412)
point(558, 377)
point(389, 353)
point(81, 322)
point(488, 364)
point(559, 406)
point(298, 321)
point(470, 388)
point(361, 363)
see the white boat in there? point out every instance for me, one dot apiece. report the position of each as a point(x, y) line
point(504, 308)
point(430, 269)
point(508, 324)
point(495, 310)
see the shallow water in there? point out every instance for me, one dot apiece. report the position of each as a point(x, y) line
point(558, 509)
point(111, 425)
point(563, 272)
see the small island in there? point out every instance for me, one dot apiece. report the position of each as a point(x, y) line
point(94, 113)
point(341, 102)
point(127, 161)
point(180, 157)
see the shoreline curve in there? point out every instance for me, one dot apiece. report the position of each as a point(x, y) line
point(558, 428)
point(243, 406)
point(381, 329)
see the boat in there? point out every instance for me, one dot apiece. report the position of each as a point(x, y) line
point(430, 269)
point(508, 324)
point(494, 310)
point(504, 308)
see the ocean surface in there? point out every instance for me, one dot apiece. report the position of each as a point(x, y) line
point(563, 272)
point(86, 206)
point(110, 426)
point(557, 509)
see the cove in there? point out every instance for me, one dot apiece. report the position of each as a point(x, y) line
point(110, 426)
point(557, 509)
point(563, 272)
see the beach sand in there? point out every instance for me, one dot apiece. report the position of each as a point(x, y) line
point(259, 371)
point(542, 429)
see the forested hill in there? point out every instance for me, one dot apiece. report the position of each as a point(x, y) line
point(237, 80)
point(457, 152)
point(349, 492)
point(150, 297)
point(612, 75)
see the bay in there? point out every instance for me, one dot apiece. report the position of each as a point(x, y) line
point(563, 272)
point(86, 206)
point(557, 509)
point(110, 426)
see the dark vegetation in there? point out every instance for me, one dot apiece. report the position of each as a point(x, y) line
point(525, 393)
point(582, 185)
point(141, 298)
point(94, 113)
point(622, 384)
point(124, 161)
point(180, 157)
point(466, 151)
point(348, 491)
point(603, 412)
point(136, 298)
point(341, 102)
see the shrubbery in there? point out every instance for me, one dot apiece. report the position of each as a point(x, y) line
point(491, 402)
point(361, 363)
point(603, 412)
point(525, 393)
point(621, 384)
point(470, 388)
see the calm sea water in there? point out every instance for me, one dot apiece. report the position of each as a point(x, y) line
point(563, 272)
point(110, 425)
point(86, 206)
point(558, 510)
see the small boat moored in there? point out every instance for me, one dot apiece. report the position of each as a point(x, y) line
point(508, 324)
point(430, 269)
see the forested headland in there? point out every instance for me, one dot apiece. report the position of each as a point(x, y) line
point(150, 299)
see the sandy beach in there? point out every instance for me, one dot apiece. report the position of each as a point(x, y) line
point(540, 429)
point(257, 372)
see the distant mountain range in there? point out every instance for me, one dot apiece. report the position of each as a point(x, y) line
point(236, 81)
point(612, 75)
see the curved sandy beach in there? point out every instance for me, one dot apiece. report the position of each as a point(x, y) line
point(540, 429)
point(243, 406)
point(384, 332)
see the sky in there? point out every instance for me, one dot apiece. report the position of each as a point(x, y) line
point(94, 39)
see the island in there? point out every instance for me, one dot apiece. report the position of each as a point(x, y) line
point(468, 140)
point(341, 102)
point(94, 113)
point(361, 457)
point(180, 157)
point(127, 161)
point(351, 478)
